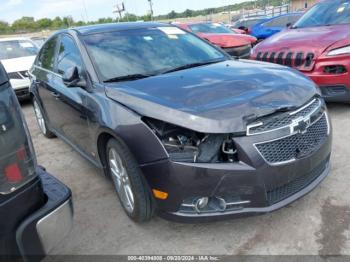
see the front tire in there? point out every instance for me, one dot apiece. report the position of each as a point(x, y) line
point(131, 187)
point(40, 119)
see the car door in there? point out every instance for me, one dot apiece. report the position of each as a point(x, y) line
point(70, 102)
point(44, 71)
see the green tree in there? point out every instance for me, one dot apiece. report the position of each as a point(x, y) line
point(4, 27)
point(188, 13)
point(172, 15)
point(57, 23)
point(24, 24)
point(79, 23)
point(44, 23)
point(67, 22)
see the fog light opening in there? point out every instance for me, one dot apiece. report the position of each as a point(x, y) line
point(201, 203)
point(222, 204)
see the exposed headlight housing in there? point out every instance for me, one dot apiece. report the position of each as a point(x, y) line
point(184, 145)
point(339, 51)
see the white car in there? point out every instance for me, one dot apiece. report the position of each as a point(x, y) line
point(17, 56)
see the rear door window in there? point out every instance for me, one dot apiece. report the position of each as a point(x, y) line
point(46, 57)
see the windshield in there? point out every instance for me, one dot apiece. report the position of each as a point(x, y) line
point(210, 28)
point(333, 12)
point(147, 51)
point(17, 48)
point(283, 21)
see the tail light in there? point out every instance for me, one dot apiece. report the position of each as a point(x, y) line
point(17, 157)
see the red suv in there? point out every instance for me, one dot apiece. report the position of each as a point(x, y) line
point(235, 44)
point(318, 45)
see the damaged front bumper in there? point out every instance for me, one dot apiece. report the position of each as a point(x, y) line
point(264, 179)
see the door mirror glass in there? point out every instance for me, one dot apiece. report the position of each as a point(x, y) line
point(71, 78)
point(71, 74)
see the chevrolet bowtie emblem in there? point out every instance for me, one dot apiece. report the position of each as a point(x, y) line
point(300, 125)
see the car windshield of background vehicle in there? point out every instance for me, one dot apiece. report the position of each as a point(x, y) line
point(147, 52)
point(325, 14)
point(248, 23)
point(282, 21)
point(17, 48)
point(210, 29)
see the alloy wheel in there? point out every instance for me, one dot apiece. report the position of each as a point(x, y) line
point(39, 117)
point(121, 180)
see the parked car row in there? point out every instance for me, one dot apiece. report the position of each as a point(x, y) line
point(318, 45)
point(235, 44)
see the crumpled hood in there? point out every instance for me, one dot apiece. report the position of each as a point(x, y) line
point(217, 98)
point(313, 39)
point(228, 40)
point(18, 64)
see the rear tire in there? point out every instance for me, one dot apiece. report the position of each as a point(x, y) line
point(131, 187)
point(40, 119)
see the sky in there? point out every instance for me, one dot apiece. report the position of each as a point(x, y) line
point(11, 10)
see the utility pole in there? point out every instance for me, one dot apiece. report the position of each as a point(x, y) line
point(85, 10)
point(119, 9)
point(151, 9)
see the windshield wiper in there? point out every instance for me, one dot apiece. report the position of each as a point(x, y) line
point(127, 78)
point(187, 66)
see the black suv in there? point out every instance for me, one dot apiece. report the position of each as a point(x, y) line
point(35, 208)
point(181, 127)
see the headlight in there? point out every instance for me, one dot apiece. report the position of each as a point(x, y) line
point(340, 51)
point(184, 145)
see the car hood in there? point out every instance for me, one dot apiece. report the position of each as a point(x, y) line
point(218, 98)
point(228, 40)
point(313, 39)
point(18, 64)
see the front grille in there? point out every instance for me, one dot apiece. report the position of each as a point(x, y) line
point(241, 51)
point(284, 119)
point(290, 59)
point(24, 73)
point(283, 192)
point(14, 75)
point(295, 146)
point(18, 75)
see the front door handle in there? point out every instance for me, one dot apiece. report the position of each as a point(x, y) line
point(55, 95)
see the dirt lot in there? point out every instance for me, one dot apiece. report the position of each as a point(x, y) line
point(317, 224)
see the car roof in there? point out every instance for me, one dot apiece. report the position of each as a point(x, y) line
point(103, 28)
point(249, 18)
point(196, 23)
point(288, 14)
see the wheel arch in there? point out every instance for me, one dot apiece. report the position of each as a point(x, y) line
point(103, 137)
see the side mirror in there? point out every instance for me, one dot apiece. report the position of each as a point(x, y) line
point(289, 25)
point(71, 78)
